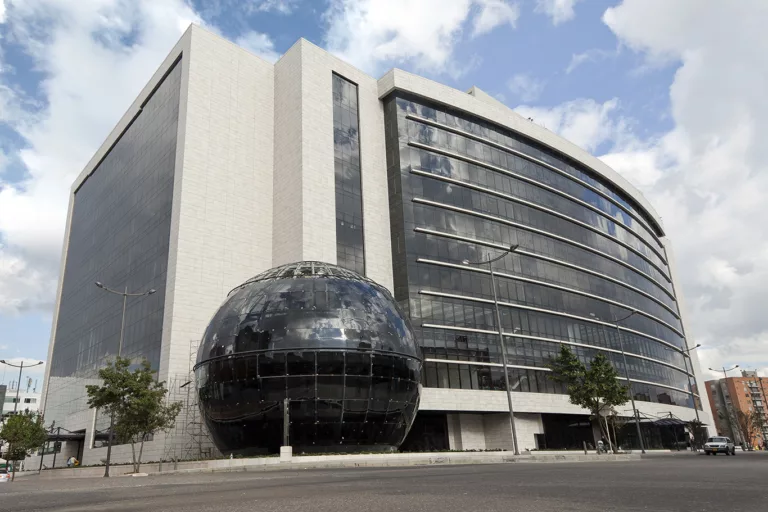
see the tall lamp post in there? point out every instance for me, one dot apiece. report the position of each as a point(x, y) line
point(18, 385)
point(125, 295)
point(615, 322)
point(490, 262)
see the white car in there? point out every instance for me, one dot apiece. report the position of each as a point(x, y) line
point(4, 476)
point(719, 444)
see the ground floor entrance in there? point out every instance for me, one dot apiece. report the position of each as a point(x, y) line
point(438, 431)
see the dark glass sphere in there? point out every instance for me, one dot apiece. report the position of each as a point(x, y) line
point(332, 345)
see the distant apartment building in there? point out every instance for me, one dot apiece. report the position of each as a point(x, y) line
point(735, 401)
point(27, 400)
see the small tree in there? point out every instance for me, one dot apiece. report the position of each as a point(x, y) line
point(595, 388)
point(138, 402)
point(750, 426)
point(698, 433)
point(23, 432)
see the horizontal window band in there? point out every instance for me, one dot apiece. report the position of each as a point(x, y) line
point(548, 312)
point(499, 169)
point(535, 160)
point(478, 363)
point(544, 209)
point(536, 368)
point(537, 231)
point(251, 353)
point(561, 342)
point(551, 260)
point(549, 285)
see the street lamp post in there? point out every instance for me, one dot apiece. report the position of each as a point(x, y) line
point(125, 295)
point(503, 345)
point(626, 374)
point(18, 385)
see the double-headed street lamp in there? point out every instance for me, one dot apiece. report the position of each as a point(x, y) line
point(490, 263)
point(18, 385)
point(125, 295)
point(615, 322)
point(725, 372)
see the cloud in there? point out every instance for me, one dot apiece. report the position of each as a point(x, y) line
point(594, 55)
point(258, 44)
point(585, 122)
point(492, 14)
point(278, 6)
point(525, 87)
point(373, 33)
point(559, 10)
point(95, 56)
point(2, 11)
point(708, 176)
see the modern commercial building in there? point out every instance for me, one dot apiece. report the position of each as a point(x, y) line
point(739, 407)
point(227, 165)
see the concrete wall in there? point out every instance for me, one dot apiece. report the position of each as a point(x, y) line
point(305, 214)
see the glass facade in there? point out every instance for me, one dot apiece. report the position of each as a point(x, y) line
point(350, 252)
point(119, 235)
point(331, 342)
point(464, 189)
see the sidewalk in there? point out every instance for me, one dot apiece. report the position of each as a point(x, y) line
point(334, 461)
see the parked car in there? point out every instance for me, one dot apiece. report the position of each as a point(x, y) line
point(4, 476)
point(719, 444)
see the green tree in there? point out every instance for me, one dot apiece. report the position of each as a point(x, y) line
point(594, 387)
point(138, 402)
point(698, 431)
point(23, 432)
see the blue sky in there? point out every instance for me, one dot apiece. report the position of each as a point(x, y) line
point(668, 93)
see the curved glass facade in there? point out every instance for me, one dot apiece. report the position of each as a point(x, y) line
point(464, 189)
point(332, 343)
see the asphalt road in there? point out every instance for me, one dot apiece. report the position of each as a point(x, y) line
point(684, 482)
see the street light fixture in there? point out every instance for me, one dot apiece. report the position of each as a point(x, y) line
point(18, 385)
point(490, 262)
point(125, 295)
point(626, 373)
point(725, 372)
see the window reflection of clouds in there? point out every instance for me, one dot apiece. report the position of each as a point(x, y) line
point(646, 287)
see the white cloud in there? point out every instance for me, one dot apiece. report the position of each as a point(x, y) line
point(2, 11)
point(559, 10)
point(259, 44)
point(95, 55)
point(594, 55)
point(708, 177)
point(279, 6)
point(584, 122)
point(525, 86)
point(492, 14)
point(424, 34)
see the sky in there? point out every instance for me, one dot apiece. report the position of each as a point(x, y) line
point(671, 94)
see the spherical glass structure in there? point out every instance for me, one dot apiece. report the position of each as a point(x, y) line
point(328, 343)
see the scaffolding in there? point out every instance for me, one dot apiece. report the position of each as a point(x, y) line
point(190, 439)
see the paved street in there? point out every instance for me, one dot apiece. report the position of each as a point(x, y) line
point(676, 482)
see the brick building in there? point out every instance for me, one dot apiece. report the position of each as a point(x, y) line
point(733, 400)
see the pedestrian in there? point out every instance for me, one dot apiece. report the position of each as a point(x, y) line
point(71, 461)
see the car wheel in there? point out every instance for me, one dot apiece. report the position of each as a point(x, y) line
point(727, 453)
point(733, 452)
point(708, 453)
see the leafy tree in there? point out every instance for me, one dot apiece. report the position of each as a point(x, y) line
point(138, 402)
point(698, 432)
point(594, 388)
point(23, 432)
point(750, 426)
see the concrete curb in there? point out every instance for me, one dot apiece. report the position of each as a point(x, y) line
point(336, 461)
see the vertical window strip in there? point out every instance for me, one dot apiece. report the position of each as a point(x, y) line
point(350, 251)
